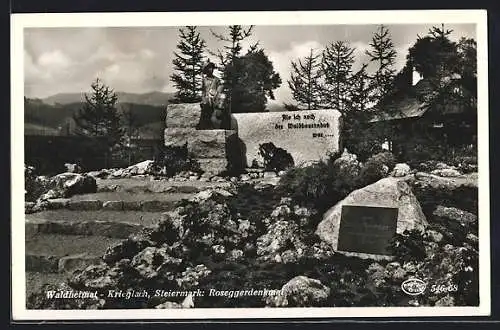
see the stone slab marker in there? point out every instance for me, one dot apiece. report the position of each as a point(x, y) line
point(215, 150)
point(308, 135)
point(365, 221)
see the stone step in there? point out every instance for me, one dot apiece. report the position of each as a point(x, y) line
point(117, 224)
point(146, 185)
point(82, 203)
point(53, 253)
point(84, 228)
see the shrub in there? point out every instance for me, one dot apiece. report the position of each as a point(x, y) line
point(376, 168)
point(33, 185)
point(408, 246)
point(275, 159)
point(320, 185)
point(173, 160)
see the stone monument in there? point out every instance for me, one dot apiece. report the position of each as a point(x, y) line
point(216, 150)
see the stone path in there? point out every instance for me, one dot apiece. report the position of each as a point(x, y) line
point(75, 232)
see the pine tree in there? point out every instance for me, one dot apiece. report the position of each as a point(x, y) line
point(99, 116)
point(188, 66)
point(305, 81)
point(384, 55)
point(337, 61)
point(247, 79)
point(228, 57)
point(254, 82)
point(360, 89)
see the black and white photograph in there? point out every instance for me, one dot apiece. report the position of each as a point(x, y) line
point(250, 165)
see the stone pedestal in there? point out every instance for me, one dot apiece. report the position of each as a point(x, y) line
point(216, 150)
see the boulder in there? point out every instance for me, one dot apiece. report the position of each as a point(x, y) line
point(69, 184)
point(301, 291)
point(78, 261)
point(141, 168)
point(447, 172)
point(281, 243)
point(387, 192)
point(464, 218)
point(168, 305)
point(401, 169)
point(72, 168)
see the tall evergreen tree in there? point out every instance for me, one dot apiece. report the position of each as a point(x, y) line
point(305, 81)
point(337, 61)
point(227, 57)
point(383, 53)
point(249, 79)
point(99, 116)
point(188, 64)
point(360, 90)
point(254, 82)
point(435, 55)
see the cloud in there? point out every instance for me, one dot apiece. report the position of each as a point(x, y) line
point(54, 59)
point(282, 64)
point(139, 59)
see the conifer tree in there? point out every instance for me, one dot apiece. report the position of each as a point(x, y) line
point(360, 90)
point(227, 57)
point(188, 64)
point(248, 79)
point(382, 53)
point(337, 61)
point(305, 81)
point(99, 116)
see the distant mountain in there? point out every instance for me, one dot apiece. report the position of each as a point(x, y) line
point(42, 117)
point(151, 98)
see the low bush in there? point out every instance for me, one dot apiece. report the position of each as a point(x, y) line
point(173, 160)
point(275, 159)
point(319, 185)
point(375, 168)
point(33, 185)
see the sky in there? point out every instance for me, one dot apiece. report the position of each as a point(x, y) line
point(139, 59)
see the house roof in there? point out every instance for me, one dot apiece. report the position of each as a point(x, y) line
point(415, 102)
point(410, 105)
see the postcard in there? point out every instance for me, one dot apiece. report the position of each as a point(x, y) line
point(250, 165)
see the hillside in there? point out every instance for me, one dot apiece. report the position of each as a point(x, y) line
point(46, 117)
point(151, 98)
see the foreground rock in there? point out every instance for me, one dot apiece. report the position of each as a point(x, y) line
point(400, 170)
point(301, 291)
point(65, 185)
point(388, 192)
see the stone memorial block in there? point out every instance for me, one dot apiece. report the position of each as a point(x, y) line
point(186, 115)
point(365, 229)
point(308, 135)
point(210, 143)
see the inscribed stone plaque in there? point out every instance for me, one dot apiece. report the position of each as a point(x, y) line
point(366, 229)
point(308, 135)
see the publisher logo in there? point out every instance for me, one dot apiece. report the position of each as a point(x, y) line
point(413, 286)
